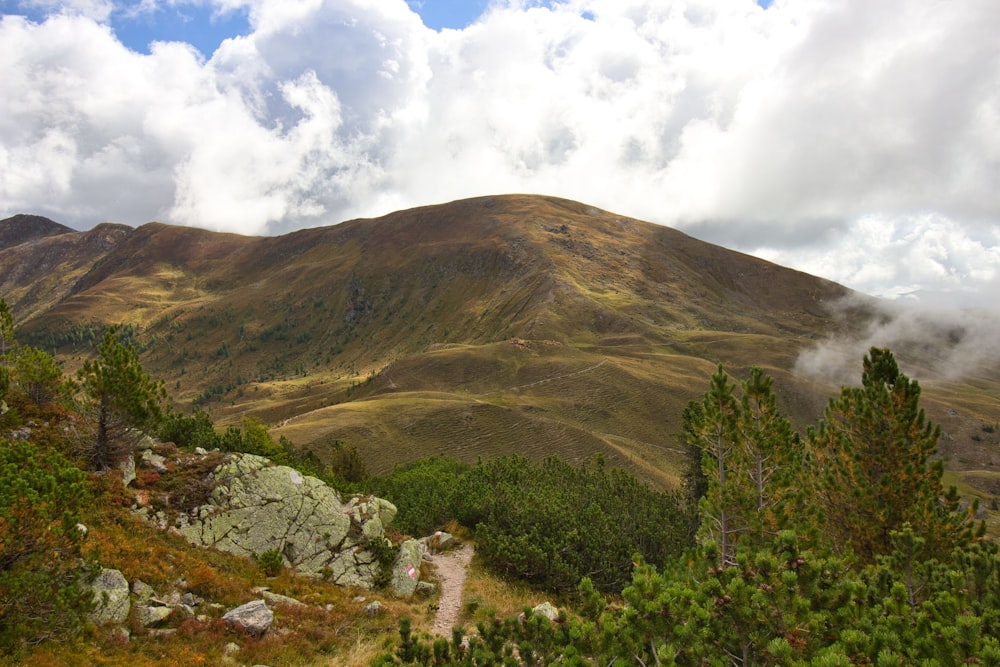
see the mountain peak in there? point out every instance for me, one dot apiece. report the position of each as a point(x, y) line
point(23, 228)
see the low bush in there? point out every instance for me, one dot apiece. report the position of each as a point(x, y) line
point(41, 596)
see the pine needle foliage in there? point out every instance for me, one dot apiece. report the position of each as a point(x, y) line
point(873, 460)
point(41, 597)
point(122, 399)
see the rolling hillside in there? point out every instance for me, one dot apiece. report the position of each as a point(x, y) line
point(475, 328)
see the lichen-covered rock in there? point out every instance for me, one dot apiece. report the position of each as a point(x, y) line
point(257, 507)
point(127, 468)
point(254, 618)
point(150, 615)
point(406, 570)
point(111, 598)
point(142, 591)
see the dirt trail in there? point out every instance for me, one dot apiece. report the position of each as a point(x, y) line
point(452, 567)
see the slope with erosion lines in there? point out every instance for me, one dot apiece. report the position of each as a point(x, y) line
point(400, 334)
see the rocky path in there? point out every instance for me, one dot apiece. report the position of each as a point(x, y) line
point(452, 567)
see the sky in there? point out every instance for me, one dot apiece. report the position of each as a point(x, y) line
point(851, 139)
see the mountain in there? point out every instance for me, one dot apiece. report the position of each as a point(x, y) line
point(26, 228)
point(474, 328)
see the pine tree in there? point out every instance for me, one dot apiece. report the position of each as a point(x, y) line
point(751, 465)
point(38, 376)
point(773, 459)
point(7, 341)
point(7, 344)
point(123, 399)
point(713, 429)
point(41, 495)
point(873, 452)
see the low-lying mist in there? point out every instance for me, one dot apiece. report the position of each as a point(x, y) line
point(928, 342)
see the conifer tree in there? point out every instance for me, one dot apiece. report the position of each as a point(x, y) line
point(751, 461)
point(123, 399)
point(713, 429)
point(7, 341)
point(873, 452)
point(38, 376)
point(773, 458)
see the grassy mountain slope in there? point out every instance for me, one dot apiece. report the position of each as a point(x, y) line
point(479, 327)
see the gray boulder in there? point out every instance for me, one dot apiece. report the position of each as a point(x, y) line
point(253, 618)
point(257, 507)
point(142, 591)
point(127, 468)
point(406, 570)
point(111, 598)
point(274, 599)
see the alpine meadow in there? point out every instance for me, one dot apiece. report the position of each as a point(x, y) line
point(646, 430)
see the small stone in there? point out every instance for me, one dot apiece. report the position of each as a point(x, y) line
point(149, 616)
point(274, 599)
point(162, 633)
point(154, 461)
point(120, 635)
point(232, 648)
point(375, 608)
point(142, 591)
point(548, 610)
point(191, 600)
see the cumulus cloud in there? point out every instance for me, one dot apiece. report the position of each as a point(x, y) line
point(790, 132)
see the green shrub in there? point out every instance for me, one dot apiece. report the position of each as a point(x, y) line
point(196, 430)
point(270, 562)
point(552, 524)
point(40, 545)
point(423, 493)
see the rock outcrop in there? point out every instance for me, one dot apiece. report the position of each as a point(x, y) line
point(258, 507)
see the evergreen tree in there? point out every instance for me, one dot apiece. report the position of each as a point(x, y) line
point(38, 376)
point(714, 431)
point(122, 398)
point(7, 341)
point(41, 494)
point(751, 464)
point(873, 452)
point(774, 457)
point(7, 344)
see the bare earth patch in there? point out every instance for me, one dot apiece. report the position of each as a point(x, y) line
point(452, 567)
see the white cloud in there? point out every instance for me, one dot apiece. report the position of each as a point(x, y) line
point(792, 132)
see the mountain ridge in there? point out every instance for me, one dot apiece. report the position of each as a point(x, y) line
point(474, 328)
